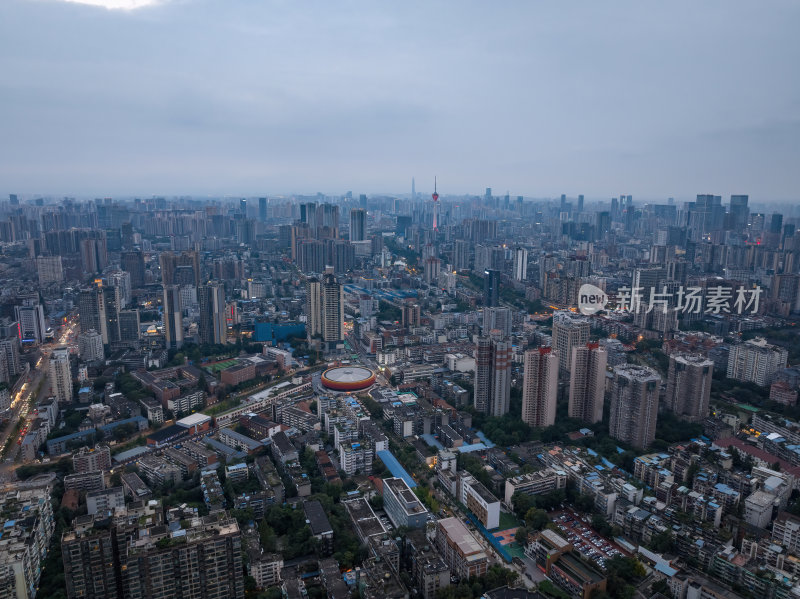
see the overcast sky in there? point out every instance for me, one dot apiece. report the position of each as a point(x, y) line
point(241, 97)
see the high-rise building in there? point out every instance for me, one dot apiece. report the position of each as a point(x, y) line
point(262, 209)
point(121, 280)
point(432, 268)
point(634, 405)
point(491, 287)
point(492, 386)
point(112, 300)
point(587, 382)
point(313, 308)
point(122, 558)
point(520, 264)
point(461, 251)
point(173, 316)
point(9, 358)
point(411, 314)
point(94, 255)
point(540, 387)
point(92, 311)
point(60, 375)
point(332, 306)
point(568, 332)
point(133, 263)
point(496, 318)
point(756, 361)
point(689, 386)
point(30, 316)
point(358, 224)
point(739, 213)
point(180, 269)
point(213, 326)
point(90, 346)
point(50, 270)
point(129, 327)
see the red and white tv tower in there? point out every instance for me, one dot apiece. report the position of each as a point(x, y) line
point(435, 197)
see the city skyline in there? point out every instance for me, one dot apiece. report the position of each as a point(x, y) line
point(672, 102)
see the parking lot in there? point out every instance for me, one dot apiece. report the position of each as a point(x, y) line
point(584, 539)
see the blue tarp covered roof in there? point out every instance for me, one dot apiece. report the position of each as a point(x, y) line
point(395, 467)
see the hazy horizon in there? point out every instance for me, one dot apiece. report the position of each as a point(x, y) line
point(234, 98)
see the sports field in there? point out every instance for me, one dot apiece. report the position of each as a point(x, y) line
point(217, 366)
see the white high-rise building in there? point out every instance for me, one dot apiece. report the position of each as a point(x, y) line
point(756, 361)
point(587, 382)
point(568, 331)
point(121, 280)
point(540, 387)
point(60, 375)
point(520, 264)
point(90, 346)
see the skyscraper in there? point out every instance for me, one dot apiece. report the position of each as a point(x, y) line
point(520, 264)
point(634, 405)
point(587, 382)
point(358, 224)
point(92, 311)
point(491, 288)
point(60, 375)
point(173, 317)
point(497, 318)
point(121, 280)
point(332, 310)
point(568, 332)
point(492, 376)
point(313, 308)
point(213, 327)
point(689, 386)
point(262, 209)
point(112, 300)
point(129, 327)
point(133, 262)
point(461, 251)
point(540, 387)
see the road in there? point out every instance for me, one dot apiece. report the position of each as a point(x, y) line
point(25, 399)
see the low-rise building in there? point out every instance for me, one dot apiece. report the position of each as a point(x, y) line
point(460, 550)
point(481, 502)
point(320, 526)
point(105, 500)
point(535, 483)
point(402, 505)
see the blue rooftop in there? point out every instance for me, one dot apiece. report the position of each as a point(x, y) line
point(432, 441)
point(395, 467)
point(471, 448)
point(485, 440)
